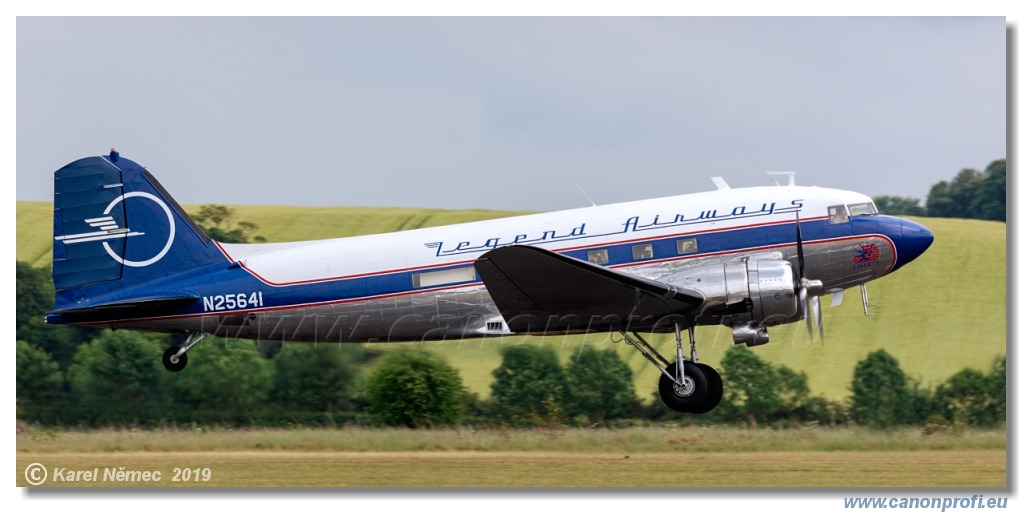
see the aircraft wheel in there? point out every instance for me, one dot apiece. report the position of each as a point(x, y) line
point(172, 366)
point(715, 388)
point(691, 395)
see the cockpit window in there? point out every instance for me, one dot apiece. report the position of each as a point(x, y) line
point(863, 209)
point(837, 214)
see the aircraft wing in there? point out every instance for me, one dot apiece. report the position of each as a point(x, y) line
point(539, 291)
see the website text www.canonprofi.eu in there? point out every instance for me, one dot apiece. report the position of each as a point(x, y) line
point(974, 502)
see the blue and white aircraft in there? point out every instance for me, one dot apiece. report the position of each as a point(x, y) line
point(127, 256)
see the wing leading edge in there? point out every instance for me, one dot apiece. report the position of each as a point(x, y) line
point(539, 291)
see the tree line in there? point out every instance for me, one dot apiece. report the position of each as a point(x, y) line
point(969, 195)
point(84, 377)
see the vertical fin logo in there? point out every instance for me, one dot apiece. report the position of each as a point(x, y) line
point(105, 228)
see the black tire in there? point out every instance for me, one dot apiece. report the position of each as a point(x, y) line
point(690, 399)
point(174, 367)
point(715, 388)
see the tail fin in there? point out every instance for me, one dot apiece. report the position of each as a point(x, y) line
point(114, 226)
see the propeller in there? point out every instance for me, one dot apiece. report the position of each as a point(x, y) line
point(799, 248)
point(807, 289)
point(816, 306)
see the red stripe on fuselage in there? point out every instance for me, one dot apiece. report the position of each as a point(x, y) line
point(477, 283)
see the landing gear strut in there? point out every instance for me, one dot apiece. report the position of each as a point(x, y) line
point(688, 387)
point(175, 358)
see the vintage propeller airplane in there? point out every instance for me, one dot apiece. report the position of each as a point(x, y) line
point(127, 256)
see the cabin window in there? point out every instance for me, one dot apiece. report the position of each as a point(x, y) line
point(598, 257)
point(837, 214)
point(643, 252)
point(439, 277)
point(686, 246)
point(862, 209)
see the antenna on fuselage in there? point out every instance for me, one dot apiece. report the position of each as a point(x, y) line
point(584, 192)
point(720, 183)
point(791, 174)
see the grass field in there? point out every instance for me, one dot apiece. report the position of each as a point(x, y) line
point(634, 457)
point(944, 312)
point(959, 468)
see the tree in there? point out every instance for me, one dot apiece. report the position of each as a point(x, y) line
point(226, 380)
point(965, 398)
point(60, 341)
point(118, 378)
point(601, 386)
point(818, 409)
point(529, 387)
point(750, 385)
point(990, 198)
point(923, 404)
point(415, 389)
point(971, 194)
point(940, 203)
point(793, 390)
point(34, 299)
point(269, 349)
point(880, 392)
point(997, 387)
point(894, 205)
point(963, 190)
point(318, 378)
point(39, 383)
point(974, 398)
point(34, 293)
point(218, 222)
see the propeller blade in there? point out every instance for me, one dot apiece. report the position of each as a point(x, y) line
point(799, 248)
point(815, 303)
point(808, 289)
point(806, 310)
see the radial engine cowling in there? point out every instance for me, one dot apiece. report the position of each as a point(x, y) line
point(746, 295)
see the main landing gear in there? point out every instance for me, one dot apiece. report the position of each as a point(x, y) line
point(175, 358)
point(691, 387)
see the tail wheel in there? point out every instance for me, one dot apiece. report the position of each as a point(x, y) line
point(692, 393)
point(174, 362)
point(175, 358)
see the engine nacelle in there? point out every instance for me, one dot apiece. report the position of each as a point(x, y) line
point(772, 291)
point(747, 295)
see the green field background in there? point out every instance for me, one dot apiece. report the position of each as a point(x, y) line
point(944, 312)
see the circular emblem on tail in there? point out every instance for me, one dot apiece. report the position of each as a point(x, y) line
point(170, 234)
point(105, 228)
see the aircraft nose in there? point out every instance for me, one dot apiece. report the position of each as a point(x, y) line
point(914, 240)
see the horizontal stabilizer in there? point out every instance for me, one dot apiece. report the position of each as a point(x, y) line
point(539, 291)
point(134, 307)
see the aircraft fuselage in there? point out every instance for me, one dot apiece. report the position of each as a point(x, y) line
point(421, 285)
